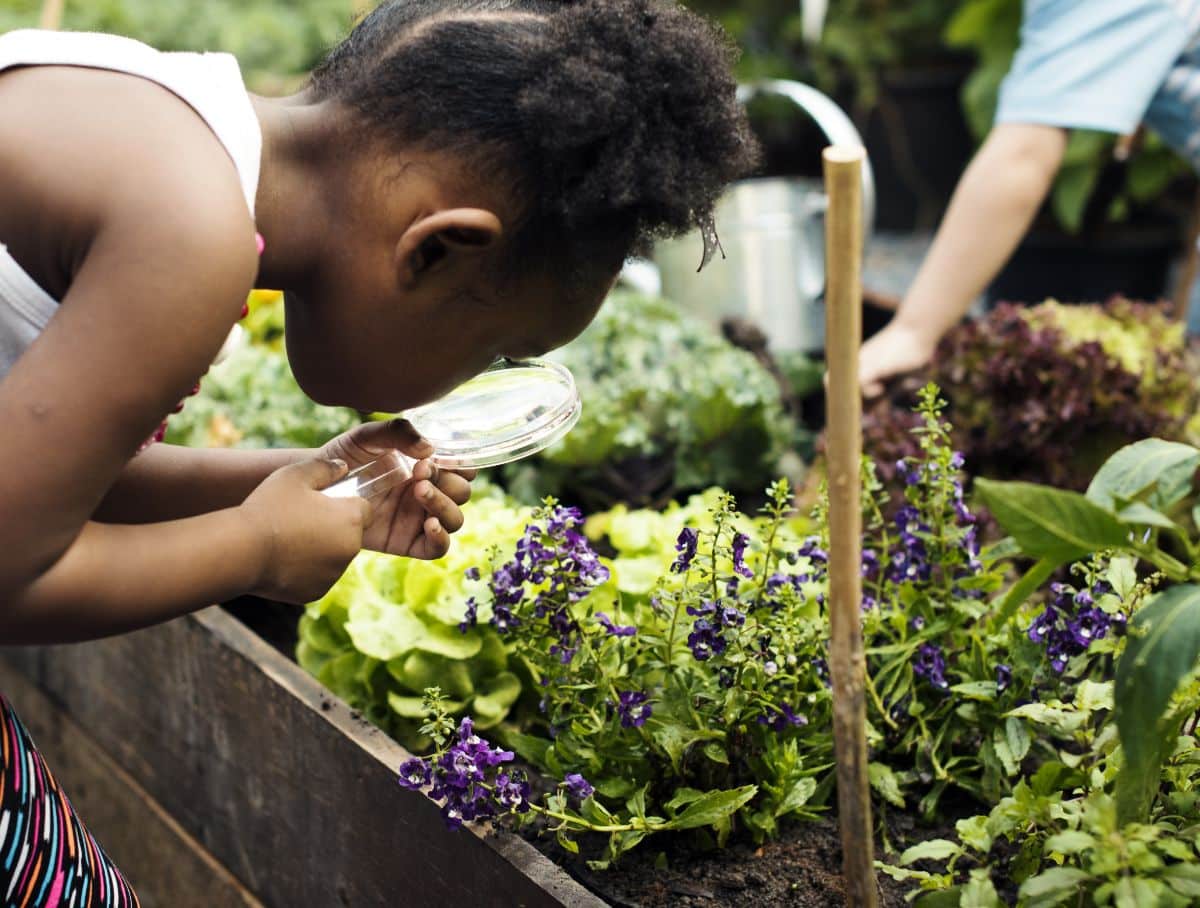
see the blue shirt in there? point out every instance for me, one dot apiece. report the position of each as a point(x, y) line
point(1109, 65)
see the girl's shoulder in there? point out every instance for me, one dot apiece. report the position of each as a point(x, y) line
point(87, 150)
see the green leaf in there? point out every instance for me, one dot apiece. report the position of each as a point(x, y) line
point(1052, 883)
point(492, 706)
point(1072, 841)
point(885, 783)
point(1031, 581)
point(979, 892)
point(1050, 523)
point(976, 690)
point(1017, 737)
point(1000, 744)
point(715, 751)
point(973, 831)
point(1168, 465)
point(675, 739)
point(798, 796)
point(1164, 644)
point(1183, 878)
point(933, 850)
point(566, 841)
point(1139, 514)
point(683, 797)
point(714, 806)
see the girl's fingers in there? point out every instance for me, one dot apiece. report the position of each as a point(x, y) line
point(439, 506)
point(455, 487)
point(434, 543)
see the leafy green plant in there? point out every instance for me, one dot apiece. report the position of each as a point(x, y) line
point(251, 400)
point(669, 407)
point(991, 29)
point(1141, 502)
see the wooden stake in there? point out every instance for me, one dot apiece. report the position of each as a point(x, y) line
point(52, 13)
point(847, 664)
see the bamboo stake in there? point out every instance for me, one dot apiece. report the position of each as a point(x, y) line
point(847, 663)
point(52, 13)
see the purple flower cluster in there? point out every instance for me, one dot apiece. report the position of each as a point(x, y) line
point(707, 637)
point(557, 552)
point(1072, 622)
point(740, 541)
point(459, 779)
point(782, 718)
point(633, 708)
point(686, 544)
point(930, 664)
point(910, 558)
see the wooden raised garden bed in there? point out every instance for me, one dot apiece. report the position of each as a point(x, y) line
point(217, 772)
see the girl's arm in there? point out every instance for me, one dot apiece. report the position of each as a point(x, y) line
point(992, 207)
point(168, 482)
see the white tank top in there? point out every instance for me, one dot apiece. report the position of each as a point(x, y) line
point(211, 84)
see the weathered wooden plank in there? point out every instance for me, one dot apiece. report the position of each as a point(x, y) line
point(286, 787)
point(166, 866)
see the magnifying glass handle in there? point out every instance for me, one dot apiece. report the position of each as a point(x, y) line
point(375, 478)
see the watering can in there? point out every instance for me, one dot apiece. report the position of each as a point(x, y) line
point(773, 234)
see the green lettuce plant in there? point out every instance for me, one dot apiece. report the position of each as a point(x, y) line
point(669, 407)
point(251, 400)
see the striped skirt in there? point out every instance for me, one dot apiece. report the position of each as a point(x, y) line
point(47, 857)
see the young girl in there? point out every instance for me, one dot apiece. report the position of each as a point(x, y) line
point(460, 180)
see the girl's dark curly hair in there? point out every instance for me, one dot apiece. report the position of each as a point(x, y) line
point(614, 121)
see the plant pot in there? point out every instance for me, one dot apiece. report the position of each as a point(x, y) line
point(919, 143)
point(1131, 260)
point(248, 757)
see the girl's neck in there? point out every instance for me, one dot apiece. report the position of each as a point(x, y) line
point(298, 183)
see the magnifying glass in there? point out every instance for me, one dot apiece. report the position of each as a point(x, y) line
point(514, 409)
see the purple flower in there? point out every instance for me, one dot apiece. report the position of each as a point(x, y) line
point(470, 617)
point(686, 545)
point(1003, 677)
point(930, 664)
point(908, 471)
point(512, 791)
point(957, 461)
point(471, 573)
point(617, 630)
point(870, 564)
point(812, 550)
point(578, 786)
point(414, 774)
point(633, 708)
point(740, 541)
point(459, 778)
point(782, 718)
point(1070, 624)
point(731, 617)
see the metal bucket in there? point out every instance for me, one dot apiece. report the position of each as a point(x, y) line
point(773, 234)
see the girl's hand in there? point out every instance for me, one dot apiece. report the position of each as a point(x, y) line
point(308, 538)
point(415, 518)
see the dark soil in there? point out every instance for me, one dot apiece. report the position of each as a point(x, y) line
point(801, 869)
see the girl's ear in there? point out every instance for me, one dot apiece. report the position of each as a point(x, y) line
point(433, 240)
